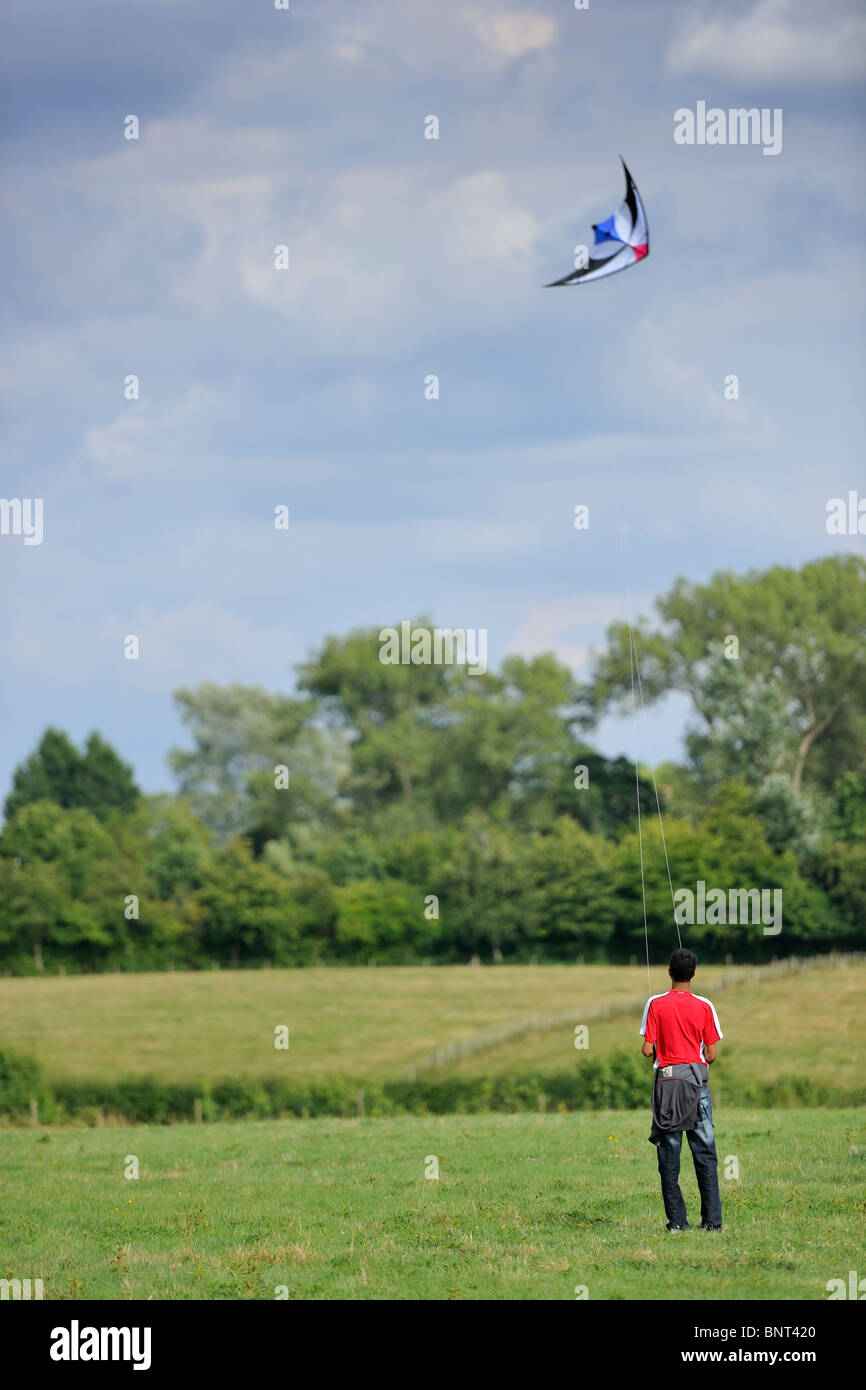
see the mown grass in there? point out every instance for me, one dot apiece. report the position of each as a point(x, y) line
point(525, 1207)
point(359, 1022)
point(810, 1023)
point(377, 1024)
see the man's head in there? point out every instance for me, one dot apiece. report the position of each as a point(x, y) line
point(683, 965)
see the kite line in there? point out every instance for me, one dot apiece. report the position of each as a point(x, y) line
point(622, 240)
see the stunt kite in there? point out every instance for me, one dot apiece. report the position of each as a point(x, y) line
point(620, 241)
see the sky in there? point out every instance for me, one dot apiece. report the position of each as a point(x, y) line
point(408, 257)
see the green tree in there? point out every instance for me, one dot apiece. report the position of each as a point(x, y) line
point(796, 701)
point(384, 920)
point(241, 735)
point(483, 885)
point(848, 815)
point(437, 741)
point(571, 905)
point(727, 849)
point(95, 780)
point(70, 885)
point(178, 853)
point(246, 912)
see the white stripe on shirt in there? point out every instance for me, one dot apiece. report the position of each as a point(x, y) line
point(713, 1011)
point(646, 1011)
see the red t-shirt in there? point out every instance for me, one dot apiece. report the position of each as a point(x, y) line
point(679, 1023)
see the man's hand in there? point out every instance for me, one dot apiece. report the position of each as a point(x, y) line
point(647, 1050)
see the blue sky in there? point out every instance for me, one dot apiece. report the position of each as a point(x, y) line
point(409, 256)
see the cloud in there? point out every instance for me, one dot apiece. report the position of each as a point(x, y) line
point(389, 258)
point(569, 627)
point(142, 442)
point(785, 40)
point(386, 257)
point(188, 643)
point(513, 33)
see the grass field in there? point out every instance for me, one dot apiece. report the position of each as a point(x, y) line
point(367, 1022)
point(525, 1207)
point(811, 1022)
point(376, 1024)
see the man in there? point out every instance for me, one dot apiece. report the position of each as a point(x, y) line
point(681, 1030)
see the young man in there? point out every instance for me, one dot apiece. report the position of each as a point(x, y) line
point(682, 1030)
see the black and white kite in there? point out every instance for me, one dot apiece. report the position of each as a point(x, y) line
point(620, 241)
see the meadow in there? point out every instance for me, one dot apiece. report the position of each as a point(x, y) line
point(371, 1022)
point(442, 1039)
point(384, 1022)
point(810, 1022)
point(524, 1207)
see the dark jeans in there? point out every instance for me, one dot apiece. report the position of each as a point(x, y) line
point(702, 1142)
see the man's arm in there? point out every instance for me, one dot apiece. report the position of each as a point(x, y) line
point(712, 1033)
point(649, 1031)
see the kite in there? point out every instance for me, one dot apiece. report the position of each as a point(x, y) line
point(620, 241)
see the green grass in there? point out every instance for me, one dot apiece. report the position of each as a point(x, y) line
point(810, 1022)
point(359, 1022)
point(379, 1025)
point(526, 1207)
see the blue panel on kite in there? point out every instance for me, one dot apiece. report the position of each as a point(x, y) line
point(606, 230)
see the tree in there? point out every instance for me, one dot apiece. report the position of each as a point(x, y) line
point(848, 820)
point(245, 910)
point(440, 742)
point(383, 920)
point(571, 905)
point(242, 735)
point(178, 849)
point(796, 703)
point(69, 886)
point(95, 780)
point(728, 850)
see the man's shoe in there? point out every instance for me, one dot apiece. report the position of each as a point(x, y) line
point(671, 1227)
point(705, 1227)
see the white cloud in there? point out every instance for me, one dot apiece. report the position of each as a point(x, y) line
point(192, 642)
point(418, 256)
point(787, 40)
point(146, 443)
point(513, 33)
point(379, 256)
point(481, 221)
point(569, 627)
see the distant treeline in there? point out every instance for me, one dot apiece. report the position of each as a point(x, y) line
point(402, 813)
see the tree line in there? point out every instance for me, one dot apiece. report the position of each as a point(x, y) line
point(402, 813)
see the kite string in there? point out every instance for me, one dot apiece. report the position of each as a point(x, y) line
point(634, 668)
point(655, 789)
point(626, 563)
point(632, 657)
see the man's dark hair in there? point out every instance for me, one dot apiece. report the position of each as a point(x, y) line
point(683, 964)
